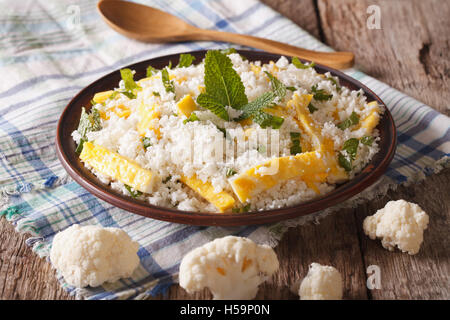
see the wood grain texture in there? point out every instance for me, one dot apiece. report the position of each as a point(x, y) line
point(411, 53)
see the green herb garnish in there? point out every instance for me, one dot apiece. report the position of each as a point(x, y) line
point(223, 86)
point(133, 193)
point(291, 88)
point(129, 84)
point(243, 209)
point(185, 60)
point(261, 149)
point(320, 94)
point(338, 88)
point(277, 87)
point(296, 147)
point(167, 179)
point(192, 117)
point(351, 148)
point(367, 140)
point(89, 122)
point(228, 51)
point(312, 108)
point(168, 84)
point(156, 93)
point(255, 109)
point(296, 62)
point(230, 172)
point(146, 142)
point(150, 71)
point(350, 121)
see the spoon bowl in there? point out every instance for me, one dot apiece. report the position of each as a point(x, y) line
point(148, 24)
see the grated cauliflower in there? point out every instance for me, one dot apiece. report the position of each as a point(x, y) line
point(321, 283)
point(92, 255)
point(399, 223)
point(231, 267)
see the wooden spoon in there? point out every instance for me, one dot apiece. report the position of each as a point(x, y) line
point(148, 24)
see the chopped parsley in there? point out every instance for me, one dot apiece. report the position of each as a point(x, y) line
point(185, 60)
point(156, 94)
point(320, 94)
point(350, 121)
point(336, 84)
point(291, 88)
point(133, 193)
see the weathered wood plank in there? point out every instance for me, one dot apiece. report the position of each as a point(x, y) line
point(411, 51)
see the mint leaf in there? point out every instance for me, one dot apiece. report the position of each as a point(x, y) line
point(296, 147)
point(277, 87)
point(146, 142)
point(320, 94)
point(350, 121)
point(133, 194)
point(222, 82)
point(186, 60)
point(243, 209)
point(312, 108)
point(367, 140)
point(168, 85)
point(150, 71)
point(210, 103)
point(88, 123)
point(230, 172)
point(129, 84)
point(228, 51)
point(351, 148)
point(193, 117)
point(255, 109)
point(296, 62)
point(333, 80)
point(291, 88)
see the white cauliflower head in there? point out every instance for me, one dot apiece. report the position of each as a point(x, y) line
point(321, 283)
point(92, 255)
point(231, 267)
point(399, 223)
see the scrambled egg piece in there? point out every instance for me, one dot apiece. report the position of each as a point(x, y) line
point(222, 200)
point(148, 119)
point(186, 106)
point(117, 167)
point(101, 97)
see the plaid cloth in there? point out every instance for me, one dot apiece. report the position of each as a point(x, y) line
point(49, 50)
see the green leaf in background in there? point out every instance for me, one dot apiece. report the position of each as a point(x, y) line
point(186, 60)
point(296, 62)
point(168, 85)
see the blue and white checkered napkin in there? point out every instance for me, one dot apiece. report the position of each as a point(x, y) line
point(49, 50)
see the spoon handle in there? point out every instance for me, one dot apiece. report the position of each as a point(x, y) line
point(337, 60)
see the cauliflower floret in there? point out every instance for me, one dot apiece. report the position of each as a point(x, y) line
point(399, 223)
point(321, 283)
point(92, 255)
point(231, 267)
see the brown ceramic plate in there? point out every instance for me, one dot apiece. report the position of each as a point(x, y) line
point(69, 119)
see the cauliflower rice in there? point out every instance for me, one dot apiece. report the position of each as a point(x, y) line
point(182, 148)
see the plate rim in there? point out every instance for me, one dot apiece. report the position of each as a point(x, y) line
point(334, 197)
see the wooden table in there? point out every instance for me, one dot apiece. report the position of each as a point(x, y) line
point(411, 53)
